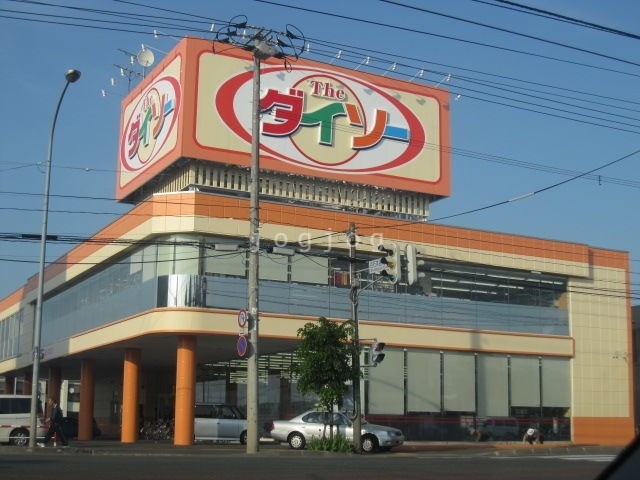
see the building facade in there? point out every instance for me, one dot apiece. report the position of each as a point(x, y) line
point(145, 315)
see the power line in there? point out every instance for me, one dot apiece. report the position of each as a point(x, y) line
point(549, 187)
point(513, 32)
point(518, 7)
point(446, 37)
point(513, 106)
point(581, 175)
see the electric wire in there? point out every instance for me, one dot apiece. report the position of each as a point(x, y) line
point(483, 207)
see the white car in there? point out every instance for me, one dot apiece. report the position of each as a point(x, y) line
point(219, 422)
point(316, 424)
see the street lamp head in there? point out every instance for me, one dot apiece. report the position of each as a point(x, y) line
point(72, 76)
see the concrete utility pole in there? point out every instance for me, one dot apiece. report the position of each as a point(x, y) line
point(263, 50)
point(355, 286)
point(263, 43)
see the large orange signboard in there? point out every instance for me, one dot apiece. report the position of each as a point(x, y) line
point(317, 120)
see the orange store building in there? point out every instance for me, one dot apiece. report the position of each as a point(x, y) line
point(145, 314)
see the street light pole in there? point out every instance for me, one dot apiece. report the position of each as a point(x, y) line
point(71, 76)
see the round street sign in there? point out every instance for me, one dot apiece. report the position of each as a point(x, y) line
point(243, 317)
point(242, 346)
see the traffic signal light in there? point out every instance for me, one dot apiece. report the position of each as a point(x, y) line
point(377, 355)
point(413, 263)
point(391, 261)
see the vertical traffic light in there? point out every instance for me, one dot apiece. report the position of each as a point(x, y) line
point(376, 353)
point(413, 263)
point(391, 261)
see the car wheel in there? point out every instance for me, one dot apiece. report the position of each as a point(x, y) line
point(243, 438)
point(296, 441)
point(19, 438)
point(369, 444)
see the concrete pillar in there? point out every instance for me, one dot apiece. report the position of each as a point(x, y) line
point(130, 389)
point(87, 395)
point(186, 361)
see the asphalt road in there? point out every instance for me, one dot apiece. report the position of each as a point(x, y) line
point(278, 462)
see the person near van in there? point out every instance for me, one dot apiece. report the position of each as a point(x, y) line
point(55, 424)
point(532, 435)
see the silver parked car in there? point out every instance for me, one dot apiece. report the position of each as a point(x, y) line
point(219, 422)
point(316, 424)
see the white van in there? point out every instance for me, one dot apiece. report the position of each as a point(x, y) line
point(15, 420)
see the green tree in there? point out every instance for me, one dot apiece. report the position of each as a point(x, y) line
point(324, 355)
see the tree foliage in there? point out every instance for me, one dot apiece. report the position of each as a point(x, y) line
point(324, 366)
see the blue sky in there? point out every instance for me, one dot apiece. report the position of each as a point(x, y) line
point(540, 102)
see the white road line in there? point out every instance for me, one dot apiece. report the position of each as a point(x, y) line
point(580, 458)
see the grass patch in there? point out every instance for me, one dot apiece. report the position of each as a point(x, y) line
point(335, 444)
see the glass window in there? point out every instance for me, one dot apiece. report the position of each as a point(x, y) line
point(386, 384)
point(493, 385)
point(423, 381)
point(149, 264)
point(555, 382)
point(459, 382)
point(478, 283)
point(314, 417)
point(339, 273)
point(165, 259)
point(310, 269)
point(525, 381)
point(227, 412)
point(274, 267)
point(187, 259)
point(225, 263)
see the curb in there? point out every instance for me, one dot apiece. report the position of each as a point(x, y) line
point(165, 448)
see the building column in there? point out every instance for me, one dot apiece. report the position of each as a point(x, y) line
point(284, 408)
point(54, 383)
point(130, 392)
point(9, 384)
point(232, 391)
point(26, 384)
point(185, 390)
point(87, 395)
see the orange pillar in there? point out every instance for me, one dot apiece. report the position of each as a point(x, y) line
point(87, 394)
point(185, 390)
point(130, 383)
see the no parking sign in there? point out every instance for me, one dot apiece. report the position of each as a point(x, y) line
point(243, 318)
point(242, 345)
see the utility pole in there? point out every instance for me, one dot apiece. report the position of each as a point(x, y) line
point(263, 43)
point(253, 437)
point(353, 294)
